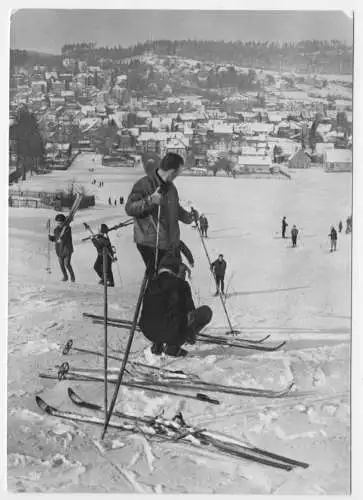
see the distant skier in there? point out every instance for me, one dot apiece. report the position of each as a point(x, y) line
point(349, 225)
point(195, 216)
point(169, 317)
point(115, 202)
point(121, 200)
point(203, 222)
point(109, 200)
point(100, 241)
point(63, 246)
point(340, 226)
point(284, 225)
point(333, 235)
point(218, 268)
point(294, 233)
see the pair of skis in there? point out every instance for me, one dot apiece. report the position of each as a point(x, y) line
point(209, 339)
point(174, 430)
point(164, 382)
point(125, 223)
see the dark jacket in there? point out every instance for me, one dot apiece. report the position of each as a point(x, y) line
point(203, 221)
point(219, 267)
point(63, 245)
point(333, 234)
point(284, 224)
point(294, 233)
point(146, 214)
point(167, 301)
point(99, 241)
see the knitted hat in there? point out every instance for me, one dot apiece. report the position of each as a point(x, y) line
point(60, 217)
point(170, 262)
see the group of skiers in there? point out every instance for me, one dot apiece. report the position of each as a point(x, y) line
point(333, 235)
point(169, 318)
point(294, 232)
point(100, 183)
point(121, 201)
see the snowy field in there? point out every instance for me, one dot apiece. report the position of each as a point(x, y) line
point(300, 295)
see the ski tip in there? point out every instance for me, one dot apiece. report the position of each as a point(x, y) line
point(73, 396)
point(43, 405)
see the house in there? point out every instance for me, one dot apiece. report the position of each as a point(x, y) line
point(338, 160)
point(299, 160)
point(253, 164)
point(39, 87)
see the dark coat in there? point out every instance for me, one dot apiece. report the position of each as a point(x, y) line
point(333, 234)
point(219, 267)
point(294, 233)
point(63, 245)
point(166, 304)
point(99, 241)
point(146, 214)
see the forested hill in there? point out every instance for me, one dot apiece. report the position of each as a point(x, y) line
point(328, 56)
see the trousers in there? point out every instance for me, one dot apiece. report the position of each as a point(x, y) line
point(148, 255)
point(65, 265)
point(98, 267)
point(220, 283)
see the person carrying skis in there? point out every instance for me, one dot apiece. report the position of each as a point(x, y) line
point(63, 246)
point(218, 268)
point(349, 225)
point(340, 226)
point(100, 241)
point(154, 204)
point(203, 222)
point(195, 216)
point(169, 317)
point(333, 239)
point(284, 225)
point(294, 233)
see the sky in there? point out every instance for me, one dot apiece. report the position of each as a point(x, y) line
point(46, 30)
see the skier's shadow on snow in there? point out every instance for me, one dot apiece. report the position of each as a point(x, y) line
point(261, 292)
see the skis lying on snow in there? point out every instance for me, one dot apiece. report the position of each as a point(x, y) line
point(174, 430)
point(81, 377)
point(209, 339)
point(181, 382)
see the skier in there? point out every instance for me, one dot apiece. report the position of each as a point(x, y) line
point(284, 227)
point(340, 226)
point(349, 225)
point(109, 200)
point(100, 240)
point(121, 200)
point(218, 268)
point(333, 239)
point(169, 317)
point(203, 222)
point(115, 202)
point(195, 216)
point(63, 246)
point(294, 233)
point(154, 204)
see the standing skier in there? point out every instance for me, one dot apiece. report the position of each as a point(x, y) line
point(109, 200)
point(100, 241)
point(203, 222)
point(63, 246)
point(333, 239)
point(218, 268)
point(284, 225)
point(154, 204)
point(294, 233)
point(349, 225)
point(169, 317)
point(340, 226)
point(121, 200)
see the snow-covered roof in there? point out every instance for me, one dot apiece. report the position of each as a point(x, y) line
point(338, 156)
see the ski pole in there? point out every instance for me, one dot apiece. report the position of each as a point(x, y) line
point(128, 347)
point(157, 240)
point(232, 331)
point(49, 268)
point(105, 314)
